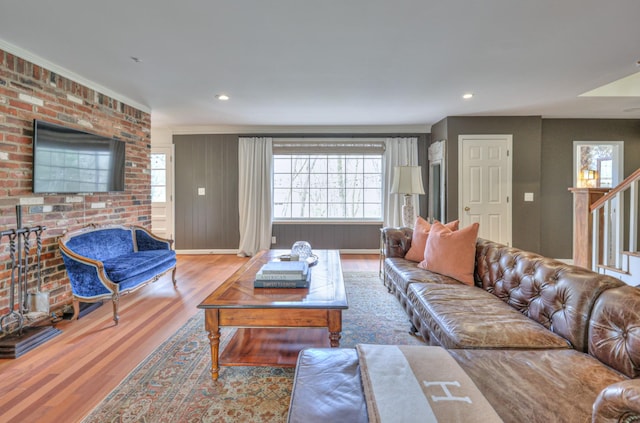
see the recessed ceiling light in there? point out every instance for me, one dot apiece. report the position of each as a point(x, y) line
point(222, 97)
point(467, 96)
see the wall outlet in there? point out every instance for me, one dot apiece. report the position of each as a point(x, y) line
point(528, 196)
point(200, 191)
point(273, 239)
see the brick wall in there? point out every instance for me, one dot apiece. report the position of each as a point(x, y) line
point(28, 92)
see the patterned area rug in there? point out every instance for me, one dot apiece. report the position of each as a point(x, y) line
point(174, 383)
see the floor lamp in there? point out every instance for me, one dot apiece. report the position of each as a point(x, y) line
point(407, 180)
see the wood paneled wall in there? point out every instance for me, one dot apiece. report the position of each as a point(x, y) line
point(328, 236)
point(210, 221)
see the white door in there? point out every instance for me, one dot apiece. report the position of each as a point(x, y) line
point(162, 191)
point(484, 184)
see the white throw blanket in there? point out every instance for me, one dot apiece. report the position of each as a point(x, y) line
point(419, 384)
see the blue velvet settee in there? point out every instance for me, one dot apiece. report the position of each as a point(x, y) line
point(104, 262)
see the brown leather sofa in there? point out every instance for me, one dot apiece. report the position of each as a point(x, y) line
point(526, 300)
point(542, 340)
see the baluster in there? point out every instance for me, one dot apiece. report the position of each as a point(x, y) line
point(617, 241)
point(595, 258)
point(606, 234)
point(633, 217)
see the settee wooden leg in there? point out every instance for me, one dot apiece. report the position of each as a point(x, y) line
point(115, 300)
point(173, 277)
point(76, 309)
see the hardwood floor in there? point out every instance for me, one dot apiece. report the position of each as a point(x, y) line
point(62, 380)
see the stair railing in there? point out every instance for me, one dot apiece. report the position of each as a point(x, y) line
point(609, 219)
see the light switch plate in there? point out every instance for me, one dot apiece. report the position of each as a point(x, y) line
point(528, 196)
point(200, 191)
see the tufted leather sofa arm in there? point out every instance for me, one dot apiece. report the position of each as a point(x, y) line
point(614, 330)
point(619, 402)
point(396, 241)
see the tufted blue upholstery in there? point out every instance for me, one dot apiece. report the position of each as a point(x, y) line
point(84, 283)
point(102, 244)
point(146, 241)
point(124, 267)
point(103, 262)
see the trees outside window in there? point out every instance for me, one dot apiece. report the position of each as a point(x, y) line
point(327, 187)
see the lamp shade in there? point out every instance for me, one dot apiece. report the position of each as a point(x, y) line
point(407, 180)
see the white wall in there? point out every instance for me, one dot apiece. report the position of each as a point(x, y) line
point(161, 137)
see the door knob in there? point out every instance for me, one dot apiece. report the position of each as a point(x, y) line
point(467, 208)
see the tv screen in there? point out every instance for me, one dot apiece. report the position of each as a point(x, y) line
point(66, 160)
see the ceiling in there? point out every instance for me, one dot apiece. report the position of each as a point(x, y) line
point(373, 63)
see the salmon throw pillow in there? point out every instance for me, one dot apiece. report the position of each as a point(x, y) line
point(451, 253)
point(419, 238)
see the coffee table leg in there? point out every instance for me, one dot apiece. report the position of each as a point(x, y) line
point(335, 327)
point(213, 329)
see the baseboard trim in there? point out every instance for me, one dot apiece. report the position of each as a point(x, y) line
point(195, 252)
point(363, 251)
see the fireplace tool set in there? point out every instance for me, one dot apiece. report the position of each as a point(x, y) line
point(19, 252)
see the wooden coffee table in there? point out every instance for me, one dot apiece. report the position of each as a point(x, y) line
point(237, 303)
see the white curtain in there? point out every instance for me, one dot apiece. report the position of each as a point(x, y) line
point(255, 159)
point(399, 151)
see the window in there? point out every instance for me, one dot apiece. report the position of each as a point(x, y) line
point(327, 186)
point(158, 177)
point(597, 164)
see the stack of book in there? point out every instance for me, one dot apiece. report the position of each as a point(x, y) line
point(283, 274)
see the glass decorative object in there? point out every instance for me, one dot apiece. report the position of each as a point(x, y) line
point(302, 249)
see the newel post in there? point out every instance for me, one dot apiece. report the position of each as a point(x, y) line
point(583, 198)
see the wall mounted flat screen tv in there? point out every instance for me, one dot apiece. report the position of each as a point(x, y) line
point(69, 161)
